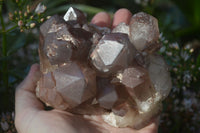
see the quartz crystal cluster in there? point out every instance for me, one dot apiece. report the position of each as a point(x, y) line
point(94, 70)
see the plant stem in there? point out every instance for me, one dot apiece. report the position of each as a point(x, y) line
point(4, 50)
point(12, 28)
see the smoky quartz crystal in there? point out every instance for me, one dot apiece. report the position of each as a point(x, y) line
point(116, 73)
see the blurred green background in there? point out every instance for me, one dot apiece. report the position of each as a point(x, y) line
point(179, 23)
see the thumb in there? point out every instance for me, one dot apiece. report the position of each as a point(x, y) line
point(25, 97)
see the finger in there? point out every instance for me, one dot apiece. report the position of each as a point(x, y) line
point(101, 19)
point(25, 98)
point(122, 15)
point(152, 127)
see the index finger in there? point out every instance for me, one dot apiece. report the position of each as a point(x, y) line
point(122, 15)
point(102, 19)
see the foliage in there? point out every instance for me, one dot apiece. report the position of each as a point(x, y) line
point(182, 105)
point(180, 35)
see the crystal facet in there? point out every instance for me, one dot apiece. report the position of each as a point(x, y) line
point(113, 52)
point(107, 95)
point(121, 28)
point(159, 75)
point(73, 85)
point(54, 20)
point(63, 43)
point(46, 91)
point(97, 31)
point(57, 51)
point(74, 14)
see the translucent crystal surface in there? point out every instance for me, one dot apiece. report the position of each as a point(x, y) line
point(144, 32)
point(57, 51)
point(121, 28)
point(160, 76)
point(107, 95)
point(75, 14)
point(46, 91)
point(71, 84)
point(62, 43)
point(113, 52)
point(92, 70)
point(54, 20)
point(74, 85)
point(132, 118)
point(97, 31)
point(138, 85)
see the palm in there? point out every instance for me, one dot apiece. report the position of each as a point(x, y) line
point(59, 122)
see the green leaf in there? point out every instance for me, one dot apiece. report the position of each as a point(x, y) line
point(53, 3)
point(84, 8)
point(190, 9)
point(19, 43)
point(17, 73)
point(87, 9)
point(196, 12)
point(198, 61)
point(4, 58)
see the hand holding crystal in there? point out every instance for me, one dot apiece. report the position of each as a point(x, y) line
point(31, 116)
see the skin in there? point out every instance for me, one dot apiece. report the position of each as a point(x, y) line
point(32, 118)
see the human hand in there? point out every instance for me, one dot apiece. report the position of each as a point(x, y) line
point(32, 118)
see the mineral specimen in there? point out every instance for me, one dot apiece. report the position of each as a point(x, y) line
point(87, 69)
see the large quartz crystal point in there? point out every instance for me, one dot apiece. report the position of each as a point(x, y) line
point(46, 91)
point(45, 64)
point(144, 32)
point(139, 87)
point(73, 14)
point(77, 39)
point(160, 76)
point(74, 83)
point(62, 44)
point(113, 52)
point(121, 28)
point(80, 42)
